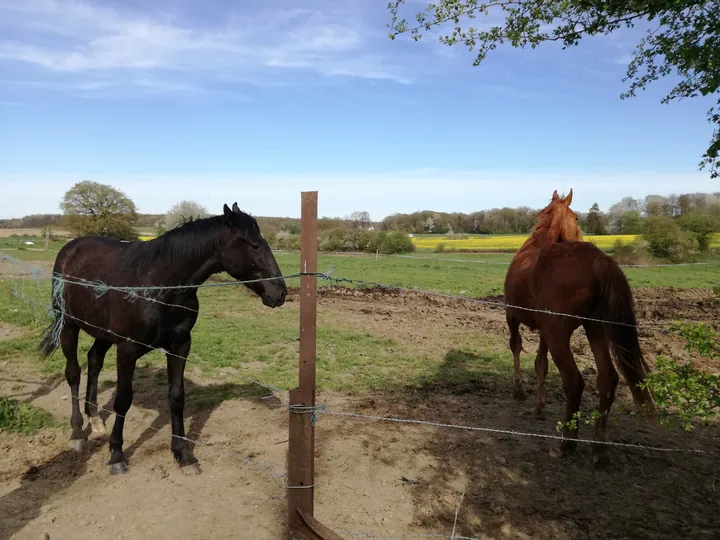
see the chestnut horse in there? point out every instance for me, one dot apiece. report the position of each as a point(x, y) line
point(556, 271)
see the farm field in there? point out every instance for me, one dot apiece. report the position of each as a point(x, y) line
point(36, 232)
point(513, 242)
point(379, 353)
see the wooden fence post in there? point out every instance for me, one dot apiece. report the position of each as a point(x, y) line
point(301, 446)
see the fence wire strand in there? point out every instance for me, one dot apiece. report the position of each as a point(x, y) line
point(141, 292)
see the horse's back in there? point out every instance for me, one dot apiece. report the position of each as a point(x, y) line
point(565, 277)
point(88, 257)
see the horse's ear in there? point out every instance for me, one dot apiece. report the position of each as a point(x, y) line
point(228, 213)
point(567, 200)
point(235, 208)
point(555, 196)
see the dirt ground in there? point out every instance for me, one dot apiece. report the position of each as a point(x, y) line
point(372, 477)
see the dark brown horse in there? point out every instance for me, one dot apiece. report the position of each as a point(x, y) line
point(184, 258)
point(556, 271)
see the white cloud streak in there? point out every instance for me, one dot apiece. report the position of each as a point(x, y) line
point(74, 40)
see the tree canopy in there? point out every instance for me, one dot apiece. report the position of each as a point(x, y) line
point(683, 38)
point(92, 208)
point(182, 212)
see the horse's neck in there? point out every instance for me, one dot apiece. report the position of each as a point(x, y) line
point(539, 239)
point(193, 269)
point(207, 268)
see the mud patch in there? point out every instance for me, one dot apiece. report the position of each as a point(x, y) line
point(9, 331)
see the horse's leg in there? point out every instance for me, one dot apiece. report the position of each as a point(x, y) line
point(541, 369)
point(516, 347)
point(573, 385)
point(607, 380)
point(69, 343)
point(178, 352)
point(96, 358)
point(127, 356)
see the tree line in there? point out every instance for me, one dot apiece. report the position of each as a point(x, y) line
point(95, 208)
point(628, 216)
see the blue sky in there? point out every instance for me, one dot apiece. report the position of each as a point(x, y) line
point(221, 102)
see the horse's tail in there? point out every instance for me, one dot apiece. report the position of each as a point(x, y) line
point(615, 305)
point(51, 336)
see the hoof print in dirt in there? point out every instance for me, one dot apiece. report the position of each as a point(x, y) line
point(191, 470)
point(118, 468)
point(160, 472)
point(78, 445)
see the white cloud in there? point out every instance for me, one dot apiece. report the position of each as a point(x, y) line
point(71, 41)
point(380, 194)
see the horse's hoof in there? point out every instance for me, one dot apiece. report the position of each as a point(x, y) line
point(97, 425)
point(557, 452)
point(78, 445)
point(191, 470)
point(118, 468)
point(519, 393)
point(540, 414)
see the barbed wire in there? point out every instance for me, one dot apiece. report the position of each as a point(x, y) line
point(480, 261)
point(102, 288)
point(321, 410)
point(405, 536)
point(405, 290)
point(507, 263)
point(275, 391)
point(361, 283)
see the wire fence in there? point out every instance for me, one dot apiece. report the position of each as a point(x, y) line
point(482, 261)
point(155, 292)
point(142, 291)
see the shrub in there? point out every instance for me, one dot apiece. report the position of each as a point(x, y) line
point(683, 394)
point(332, 241)
point(702, 225)
point(285, 240)
point(396, 242)
point(684, 391)
point(630, 253)
point(665, 239)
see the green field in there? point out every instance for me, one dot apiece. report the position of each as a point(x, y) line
point(240, 338)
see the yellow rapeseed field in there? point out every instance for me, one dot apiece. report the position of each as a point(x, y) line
point(515, 241)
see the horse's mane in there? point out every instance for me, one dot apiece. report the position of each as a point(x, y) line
point(193, 238)
point(543, 223)
point(544, 219)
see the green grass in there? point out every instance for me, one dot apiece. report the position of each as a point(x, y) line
point(241, 339)
point(20, 417)
point(474, 279)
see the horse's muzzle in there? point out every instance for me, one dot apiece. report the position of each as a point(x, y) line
point(275, 300)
